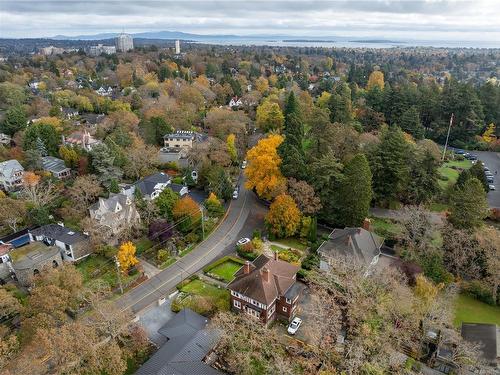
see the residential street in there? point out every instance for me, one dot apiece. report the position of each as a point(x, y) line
point(221, 241)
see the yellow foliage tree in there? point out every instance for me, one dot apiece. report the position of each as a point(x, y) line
point(376, 79)
point(283, 217)
point(231, 147)
point(322, 101)
point(262, 85)
point(263, 171)
point(269, 116)
point(426, 290)
point(69, 155)
point(126, 256)
point(52, 121)
point(489, 134)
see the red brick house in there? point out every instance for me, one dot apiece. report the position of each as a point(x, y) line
point(266, 289)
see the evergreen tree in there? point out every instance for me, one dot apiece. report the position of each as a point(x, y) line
point(389, 166)
point(410, 123)
point(48, 135)
point(354, 193)
point(14, 120)
point(291, 150)
point(113, 187)
point(103, 164)
point(340, 105)
point(462, 178)
point(219, 183)
point(40, 147)
point(477, 171)
point(469, 206)
point(423, 181)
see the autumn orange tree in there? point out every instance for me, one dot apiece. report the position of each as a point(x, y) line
point(187, 213)
point(263, 171)
point(126, 256)
point(283, 218)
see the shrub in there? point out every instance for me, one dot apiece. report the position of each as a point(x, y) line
point(162, 255)
point(258, 245)
point(246, 255)
point(192, 237)
point(177, 180)
point(480, 291)
point(257, 233)
point(310, 262)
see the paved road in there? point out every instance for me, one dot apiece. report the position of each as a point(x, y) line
point(221, 241)
point(492, 161)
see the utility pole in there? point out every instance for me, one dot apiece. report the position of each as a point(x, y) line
point(202, 223)
point(119, 276)
point(447, 137)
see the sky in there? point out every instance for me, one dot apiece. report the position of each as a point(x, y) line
point(477, 20)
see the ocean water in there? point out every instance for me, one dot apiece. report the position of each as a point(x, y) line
point(352, 44)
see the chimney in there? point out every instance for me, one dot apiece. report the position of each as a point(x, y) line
point(275, 255)
point(367, 224)
point(265, 274)
point(246, 268)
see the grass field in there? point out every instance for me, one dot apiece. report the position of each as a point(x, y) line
point(470, 310)
point(385, 227)
point(224, 269)
point(202, 297)
point(143, 244)
point(450, 170)
point(292, 242)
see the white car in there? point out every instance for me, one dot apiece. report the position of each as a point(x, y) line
point(244, 164)
point(294, 325)
point(491, 187)
point(243, 241)
point(235, 194)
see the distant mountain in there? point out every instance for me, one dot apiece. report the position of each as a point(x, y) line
point(149, 35)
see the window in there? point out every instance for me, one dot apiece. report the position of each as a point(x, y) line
point(271, 311)
point(288, 300)
point(285, 309)
point(237, 304)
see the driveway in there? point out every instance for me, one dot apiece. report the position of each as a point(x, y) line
point(220, 242)
point(492, 161)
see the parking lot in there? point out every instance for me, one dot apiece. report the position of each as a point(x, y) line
point(492, 161)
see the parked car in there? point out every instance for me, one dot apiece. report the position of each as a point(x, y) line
point(489, 179)
point(459, 152)
point(235, 194)
point(294, 325)
point(243, 241)
point(244, 164)
point(472, 157)
point(491, 187)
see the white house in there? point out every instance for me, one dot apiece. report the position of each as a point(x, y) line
point(235, 102)
point(11, 175)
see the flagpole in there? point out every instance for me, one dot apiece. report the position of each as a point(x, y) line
point(447, 136)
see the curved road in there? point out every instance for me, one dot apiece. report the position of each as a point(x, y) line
point(218, 242)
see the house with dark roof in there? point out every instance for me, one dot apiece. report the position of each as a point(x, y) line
point(73, 245)
point(266, 289)
point(358, 244)
point(189, 342)
point(149, 187)
point(55, 166)
point(487, 336)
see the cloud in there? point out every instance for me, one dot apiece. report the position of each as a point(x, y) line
point(425, 19)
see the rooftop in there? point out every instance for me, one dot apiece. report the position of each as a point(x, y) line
point(254, 284)
point(32, 254)
point(358, 243)
point(53, 164)
point(60, 233)
point(189, 341)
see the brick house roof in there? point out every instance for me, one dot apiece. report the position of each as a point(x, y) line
point(264, 279)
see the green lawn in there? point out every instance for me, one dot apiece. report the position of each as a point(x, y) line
point(143, 244)
point(385, 227)
point(292, 242)
point(202, 297)
point(470, 310)
point(450, 172)
point(224, 269)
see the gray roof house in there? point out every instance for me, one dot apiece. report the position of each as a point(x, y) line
point(189, 342)
point(115, 213)
point(149, 187)
point(488, 336)
point(11, 175)
point(55, 166)
point(354, 243)
point(72, 244)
